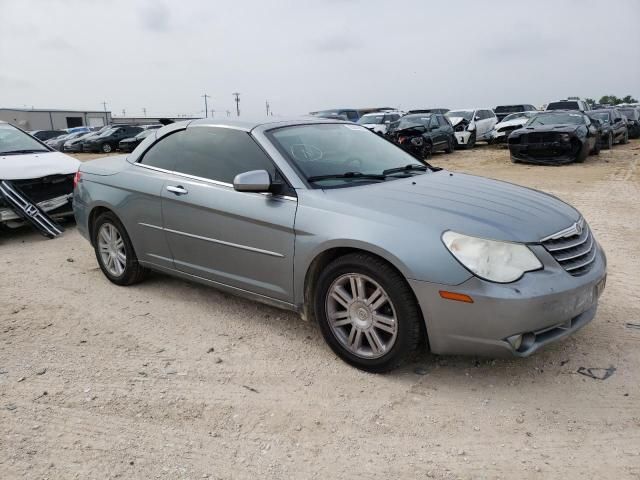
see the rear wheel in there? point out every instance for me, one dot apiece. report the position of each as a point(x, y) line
point(427, 150)
point(596, 148)
point(367, 313)
point(106, 148)
point(114, 251)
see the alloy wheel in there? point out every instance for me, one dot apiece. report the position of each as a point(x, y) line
point(112, 249)
point(361, 316)
point(106, 148)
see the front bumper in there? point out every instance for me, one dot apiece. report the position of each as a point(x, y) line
point(545, 153)
point(462, 137)
point(543, 306)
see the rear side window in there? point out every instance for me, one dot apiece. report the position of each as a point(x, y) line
point(443, 120)
point(352, 115)
point(165, 152)
point(220, 154)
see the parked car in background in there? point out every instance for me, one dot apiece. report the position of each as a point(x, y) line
point(350, 114)
point(44, 135)
point(379, 121)
point(429, 110)
point(153, 126)
point(555, 138)
point(129, 144)
point(108, 140)
point(614, 126)
point(390, 253)
point(502, 111)
point(40, 176)
point(502, 129)
point(423, 134)
point(75, 144)
point(569, 104)
point(471, 125)
point(633, 120)
point(81, 129)
point(57, 143)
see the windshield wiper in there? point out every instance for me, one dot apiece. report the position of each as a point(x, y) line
point(357, 175)
point(16, 152)
point(406, 168)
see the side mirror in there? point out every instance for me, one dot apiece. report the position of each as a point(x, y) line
point(618, 120)
point(252, 181)
point(476, 118)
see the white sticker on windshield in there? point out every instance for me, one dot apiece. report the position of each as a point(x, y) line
point(356, 128)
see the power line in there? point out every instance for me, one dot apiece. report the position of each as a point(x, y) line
point(237, 95)
point(206, 112)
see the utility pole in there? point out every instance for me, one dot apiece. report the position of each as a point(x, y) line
point(144, 111)
point(228, 113)
point(104, 104)
point(124, 112)
point(237, 95)
point(206, 111)
point(212, 112)
point(267, 105)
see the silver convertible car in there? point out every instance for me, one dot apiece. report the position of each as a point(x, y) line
point(330, 220)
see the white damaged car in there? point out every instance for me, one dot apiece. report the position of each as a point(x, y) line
point(502, 130)
point(40, 178)
point(471, 125)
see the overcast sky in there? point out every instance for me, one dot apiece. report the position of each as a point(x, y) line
point(309, 55)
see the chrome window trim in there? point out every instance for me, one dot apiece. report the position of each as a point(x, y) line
point(230, 127)
point(215, 240)
point(208, 180)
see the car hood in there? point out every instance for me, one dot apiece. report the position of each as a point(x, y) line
point(455, 120)
point(36, 165)
point(510, 123)
point(464, 203)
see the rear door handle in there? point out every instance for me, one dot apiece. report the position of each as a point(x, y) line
point(178, 190)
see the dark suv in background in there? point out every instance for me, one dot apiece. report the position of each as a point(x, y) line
point(633, 120)
point(423, 134)
point(108, 140)
point(570, 104)
point(502, 111)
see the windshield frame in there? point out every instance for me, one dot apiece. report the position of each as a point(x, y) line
point(44, 146)
point(269, 134)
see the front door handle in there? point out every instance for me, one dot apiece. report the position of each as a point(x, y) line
point(178, 190)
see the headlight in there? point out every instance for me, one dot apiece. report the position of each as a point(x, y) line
point(492, 260)
point(564, 137)
point(471, 127)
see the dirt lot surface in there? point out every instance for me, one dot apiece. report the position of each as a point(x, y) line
point(174, 380)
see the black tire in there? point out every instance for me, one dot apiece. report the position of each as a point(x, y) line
point(596, 148)
point(609, 144)
point(582, 155)
point(450, 145)
point(472, 141)
point(427, 150)
point(106, 147)
point(133, 271)
point(408, 315)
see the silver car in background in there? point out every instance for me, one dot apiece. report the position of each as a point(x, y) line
point(326, 218)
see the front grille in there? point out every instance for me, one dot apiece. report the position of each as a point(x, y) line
point(45, 188)
point(574, 248)
point(541, 137)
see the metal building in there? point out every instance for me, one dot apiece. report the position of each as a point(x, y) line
point(37, 119)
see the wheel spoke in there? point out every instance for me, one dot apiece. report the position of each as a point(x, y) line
point(105, 234)
point(122, 258)
point(382, 299)
point(382, 322)
point(337, 315)
point(360, 291)
point(374, 341)
point(374, 296)
point(343, 322)
point(341, 296)
point(119, 243)
point(355, 338)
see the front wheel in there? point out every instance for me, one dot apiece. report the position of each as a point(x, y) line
point(472, 140)
point(609, 144)
point(106, 148)
point(450, 145)
point(625, 138)
point(114, 251)
point(367, 313)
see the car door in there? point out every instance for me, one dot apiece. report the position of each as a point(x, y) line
point(239, 239)
point(436, 133)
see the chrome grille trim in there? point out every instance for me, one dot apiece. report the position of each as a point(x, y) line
point(574, 248)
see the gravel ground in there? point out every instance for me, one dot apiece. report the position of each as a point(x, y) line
point(170, 379)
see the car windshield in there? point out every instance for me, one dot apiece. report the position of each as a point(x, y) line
point(630, 113)
point(14, 141)
point(556, 119)
point(351, 151)
point(409, 121)
point(509, 108)
point(108, 132)
point(370, 119)
point(144, 134)
point(514, 116)
point(466, 114)
point(563, 106)
point(602, 116)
